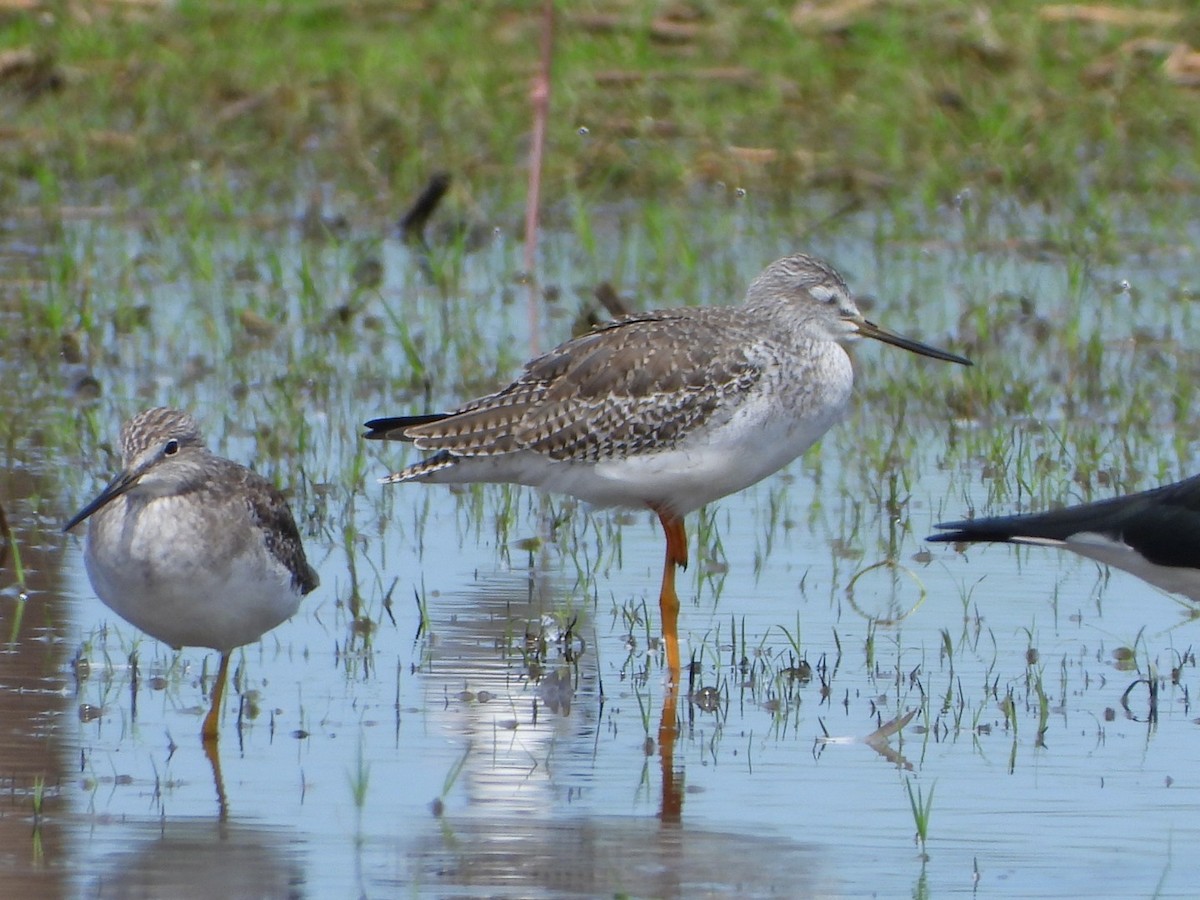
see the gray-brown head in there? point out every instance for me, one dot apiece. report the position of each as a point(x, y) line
point(814, 296)
point(161, 450)
point(148, 430)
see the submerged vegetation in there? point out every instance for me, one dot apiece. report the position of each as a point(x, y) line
point(1037, 159)
point(201, 203)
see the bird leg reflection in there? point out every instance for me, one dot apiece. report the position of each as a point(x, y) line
point(213, 753)
point(672, 780)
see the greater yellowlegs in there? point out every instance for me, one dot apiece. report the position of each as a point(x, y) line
point(667, 410)
point(1154, 534)
point(192, 548)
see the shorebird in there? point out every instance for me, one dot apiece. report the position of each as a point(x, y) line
point(190, 547)
point(666, 410)
point(1154, 534)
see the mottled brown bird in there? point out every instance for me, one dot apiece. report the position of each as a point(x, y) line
point(667, 410)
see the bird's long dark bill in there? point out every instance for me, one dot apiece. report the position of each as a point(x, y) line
point(115, 489)
point(871, 330)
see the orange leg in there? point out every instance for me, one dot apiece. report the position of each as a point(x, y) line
point(668, 600)
point(208, 733)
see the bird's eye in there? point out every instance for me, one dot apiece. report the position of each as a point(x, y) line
point(171, 447)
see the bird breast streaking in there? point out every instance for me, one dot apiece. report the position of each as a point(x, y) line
point(192, 548)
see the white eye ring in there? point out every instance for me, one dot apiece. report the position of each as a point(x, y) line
point(171, 447)
point(824, 294)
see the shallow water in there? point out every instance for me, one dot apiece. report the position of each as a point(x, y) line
point(479, 752)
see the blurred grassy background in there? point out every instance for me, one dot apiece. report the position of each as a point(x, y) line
point(874, 98)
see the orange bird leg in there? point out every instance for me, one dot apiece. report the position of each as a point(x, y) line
point(668, 600)
point(209, 732)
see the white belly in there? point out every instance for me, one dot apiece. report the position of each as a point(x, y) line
point(766, 432)
point(1103, 549)
point(173, 575)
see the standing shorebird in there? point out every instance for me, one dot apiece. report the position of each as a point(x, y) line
point(192, 548)
point(1154, 535)
point(667, 410)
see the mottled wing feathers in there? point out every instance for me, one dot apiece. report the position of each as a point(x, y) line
point(644, 381)
point(1162, 524)
point(271, 513)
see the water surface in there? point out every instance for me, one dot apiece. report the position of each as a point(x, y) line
point(424, 725)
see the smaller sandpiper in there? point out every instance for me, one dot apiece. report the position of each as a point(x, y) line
point(192, 548)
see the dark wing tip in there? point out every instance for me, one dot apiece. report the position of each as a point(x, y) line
point(306, 580)
point(969, 531)
point(949, 537)
point(391, 428)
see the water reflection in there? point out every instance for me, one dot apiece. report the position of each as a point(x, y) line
point(212, 752)
point(671, 808)
point(609, 856)
point(514, 684)
point(573, 769)
point(35, 697)
point(204, 858)
point(523, 692)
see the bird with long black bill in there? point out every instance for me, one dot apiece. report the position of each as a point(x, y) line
point(666, 410)
point(192, 548)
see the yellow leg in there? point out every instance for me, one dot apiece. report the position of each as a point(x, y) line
point(209, 732)
point(668, 600)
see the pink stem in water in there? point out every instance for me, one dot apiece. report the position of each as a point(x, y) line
point(540, 96)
